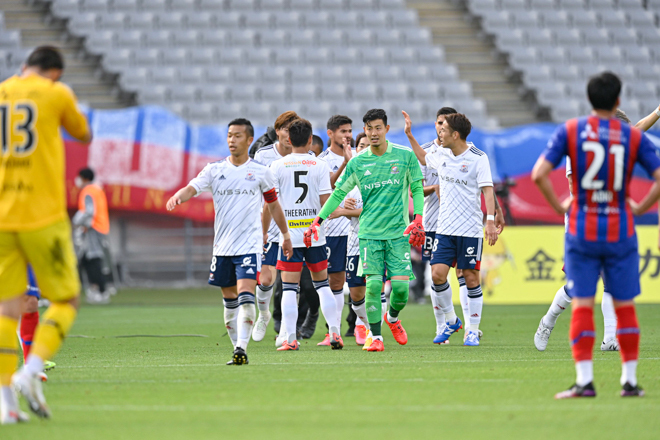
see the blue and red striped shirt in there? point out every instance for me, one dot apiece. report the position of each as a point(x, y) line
point(602, 154)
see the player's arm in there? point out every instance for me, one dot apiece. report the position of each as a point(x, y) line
point(73, 120)
point(275, 210)
point(417, 149)
point(429, 189)
point(266, 218)
point(500, 222)
point(85, 216)
point(348, 155)
point(181, 196)
point(646, 123)
point(491, 229)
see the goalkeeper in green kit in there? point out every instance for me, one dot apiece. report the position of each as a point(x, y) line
point(384, 173)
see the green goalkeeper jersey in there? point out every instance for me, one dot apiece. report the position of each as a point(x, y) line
point(384, 183)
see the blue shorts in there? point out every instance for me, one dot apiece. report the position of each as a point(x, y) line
point(427, 249)
point(352, 278)
point(32, 288)
point(458, 252)
point(617, 262)
point(313, 257)
point(225, 271)
point(336, 249)
point(269, 257)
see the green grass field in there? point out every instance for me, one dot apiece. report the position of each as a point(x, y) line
point(106, 387)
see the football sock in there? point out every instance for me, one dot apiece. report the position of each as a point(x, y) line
point(7, 397)
point(247, 314)
point(442, 294)
point(231, 318)
point(339, 300)
point(628, 335)
point(476, 301)
point(463, 295)
point(559, 304)
point(29, 323)
point(373, 303)
point(609, 317)
point(50, 334)
point(290, 309)
point(8, 349)
point(328, 304)
point(582, 335)
point(439, 315)
point(264, 294)
point(398, 298)
point(360, 309)
point(383, 302)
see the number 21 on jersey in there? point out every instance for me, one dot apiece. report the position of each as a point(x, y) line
point(589, 180)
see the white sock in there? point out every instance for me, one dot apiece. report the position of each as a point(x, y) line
point(231, 319)
point(465, 303)
point(290, 309)
point(360, 309)
point(476, 304)
point(585, 372)
point(439, 315)
point(247, 314)
point(339, 301)
point(7, 397)
point(560, 302)
point(442, 294)
point(264, 293)
point(609, 317)
point(34, 364)
point(392, 319)
point(629, 373)
point(383, 302)
point(328, 304)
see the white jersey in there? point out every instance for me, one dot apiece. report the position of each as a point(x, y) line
point(353, 240)
point(336, 227)
point(237, 198)
point(431, 202)
point(300, 180)
point(461, 179)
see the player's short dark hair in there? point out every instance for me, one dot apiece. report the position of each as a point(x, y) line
point(249, 129)
point(316, 140)
point(446, 111)
point(374, 114)
point(87, 174)
point(603, 90)
point(285, 119)
point(337, 121)
point(621, 115)
point(460, 123)
point(359, 137)
point(46, 58)
point(299, 132)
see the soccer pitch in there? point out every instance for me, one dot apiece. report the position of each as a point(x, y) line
point(110, 387)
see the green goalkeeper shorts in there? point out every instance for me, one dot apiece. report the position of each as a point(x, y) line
point(394, 254)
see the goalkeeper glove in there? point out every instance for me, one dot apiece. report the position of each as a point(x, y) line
point(313, 230)
point(416, 231)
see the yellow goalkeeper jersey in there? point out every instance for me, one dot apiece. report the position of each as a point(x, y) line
point(32, 162)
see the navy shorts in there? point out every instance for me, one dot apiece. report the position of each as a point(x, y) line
point(427, 249)
point(458, 252)
point(225, 271)
point(336, 249)
point(32, 288)
point(617, 262)
point(313, 257)
point(352, 278)
point(269, 257)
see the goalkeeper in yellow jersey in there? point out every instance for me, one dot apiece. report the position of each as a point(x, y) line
point(34, 225)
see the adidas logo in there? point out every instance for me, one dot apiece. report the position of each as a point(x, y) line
point(444, 165)
point(222, 177)
point(473, 261)
point(476, 315)
point(408, 267)
point(372, 309)
point(368, 173)
point(250, 271)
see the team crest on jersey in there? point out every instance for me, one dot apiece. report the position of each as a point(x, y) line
point(394, 169)
point(250, 177)
point(211, 277)
point(464, 167)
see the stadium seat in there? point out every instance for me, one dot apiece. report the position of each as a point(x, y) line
point(289, 20)
point(302, 92)
point(214, 93)
point(543, 6)
point(360, 37)
point(274, 75)
point(271, 38)
point(124, 6)
point(334, 92)
point(513, 5)
point(274, 93)
point(346, 20)
point(363, 5)
point(211, 5)
point(113, 21)
point(389, 37)
point(194, 75)
point(302, 38)
point(365, 92)
point(144, 21)
point(258, 20)
point(314, 56)
point(165, 75)
point(392, 4)
point(182, 5)
point(288, 56)
point(243, 38)
point(389, 73)
point(82, 24)
point(153, 94)
point(64, 8)
point(246, 74)
point(540, 38)
point(300, 5)
point(330, 5)
point(200, 20)
point(175, 57)
point(248, 6)
point(201, 56)
point(216, 74)
point(395, 92)
point(303, 74)
point(334, 74)
point(567, 38)
point(317, 20)
point(556, 20)
point(360, 74)
point(186, 38)
point(376, 55)
point(153, 5)
point(100, 42)
point(171, 20)
point(185, 93)
point(229, 20)
point(272, 5)
point(148, 57)
point(405, 19)
point(334, 38)
point(214, 38)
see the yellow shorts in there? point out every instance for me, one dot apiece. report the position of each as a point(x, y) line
point(50, 252)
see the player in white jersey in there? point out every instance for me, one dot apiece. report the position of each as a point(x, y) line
point(562, 299)
point(463, 173)
point(266, 156)
point(238, 185)
point(303, 182)
point(340, 134)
